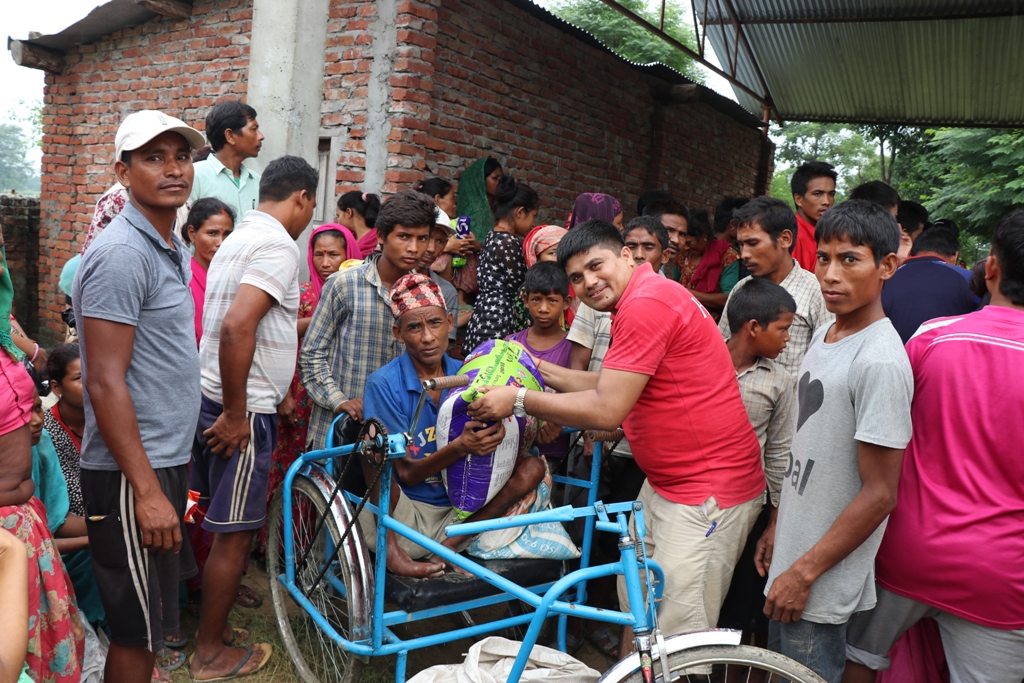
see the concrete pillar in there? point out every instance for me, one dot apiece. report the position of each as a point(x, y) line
point(286, 75)
point(384, 34)
point(286, 82)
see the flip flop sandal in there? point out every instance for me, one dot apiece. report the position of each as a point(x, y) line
point(573, 644)
point(177, 641)
point(605, 641)
point(159, 676)
point(264, 650)
point(238, 636)
point(247, 597)
point(169, 660)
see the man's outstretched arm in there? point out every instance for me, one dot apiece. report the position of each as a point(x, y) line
point(603, 407)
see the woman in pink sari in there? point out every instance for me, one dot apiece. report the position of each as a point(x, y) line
point(358, 210)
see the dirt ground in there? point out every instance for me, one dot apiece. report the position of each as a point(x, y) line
point(261, 624)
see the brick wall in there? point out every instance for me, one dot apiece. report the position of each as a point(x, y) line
point(179, 66)
point(482, 77)
point(570, 118)
point(346, 76)
point(465, 78)
point(19, 218)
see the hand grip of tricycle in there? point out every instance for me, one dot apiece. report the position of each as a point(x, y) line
point(599, 435)
point(447, 382)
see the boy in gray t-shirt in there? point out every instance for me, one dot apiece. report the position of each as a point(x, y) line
point(853, 421)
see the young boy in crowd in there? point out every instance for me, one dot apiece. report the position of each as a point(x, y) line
point(853, 422)
point(349, 337)
point(546, 293)
point(647, 238)
point(814, 192)
point(760, 316)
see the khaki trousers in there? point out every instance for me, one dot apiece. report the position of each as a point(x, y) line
point(698, 566)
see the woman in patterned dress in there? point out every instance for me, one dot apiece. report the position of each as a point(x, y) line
point(65, 420)
point(499, 311)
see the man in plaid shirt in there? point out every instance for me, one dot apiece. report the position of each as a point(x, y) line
point(350, 334)
point(767, 232)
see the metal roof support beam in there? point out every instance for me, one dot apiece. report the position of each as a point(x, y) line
point(763, 99)
point(742, 37)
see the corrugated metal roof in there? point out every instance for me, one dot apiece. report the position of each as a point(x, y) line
point(944, 62)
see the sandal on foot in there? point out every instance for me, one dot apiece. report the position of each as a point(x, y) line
point(238, 636)
point(262, 650)
point(573, 644)
point(248, 597)
point(177, 641)
point(605, 641)
point(159, 676)
point(169, 660)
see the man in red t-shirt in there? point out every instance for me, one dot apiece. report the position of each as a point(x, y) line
point(669, 380)
point(814, 192)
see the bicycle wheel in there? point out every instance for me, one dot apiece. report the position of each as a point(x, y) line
point(316, 657)
point(730, 663)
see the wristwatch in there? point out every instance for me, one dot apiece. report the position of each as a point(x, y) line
point(519, 409)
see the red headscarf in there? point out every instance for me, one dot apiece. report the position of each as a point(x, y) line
point(540, 239)
point(351, 252)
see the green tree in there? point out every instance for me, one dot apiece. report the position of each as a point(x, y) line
point(16, 172)
point(630, 40)
point(980, 179)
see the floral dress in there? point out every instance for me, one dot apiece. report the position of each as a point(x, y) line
point(56, 637)
point(291, 441)
point(499, 310)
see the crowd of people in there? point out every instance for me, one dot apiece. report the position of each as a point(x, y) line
point(808, 400)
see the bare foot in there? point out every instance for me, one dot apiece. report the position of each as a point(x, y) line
point(399, 562)
point(453, 545)
point(224, 662)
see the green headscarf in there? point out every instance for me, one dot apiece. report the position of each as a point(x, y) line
point(472, 199)
point(6, 302)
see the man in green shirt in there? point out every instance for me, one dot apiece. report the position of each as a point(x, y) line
point(235, 136)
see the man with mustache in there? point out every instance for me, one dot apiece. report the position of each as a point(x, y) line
point(767, 235)
point(140, 368)
point(247, 359)
point(666, 366)
point(235, 136)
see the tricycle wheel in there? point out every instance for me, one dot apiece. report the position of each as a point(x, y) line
point(317, 658)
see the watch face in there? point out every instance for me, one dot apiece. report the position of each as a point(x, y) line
point(519, 412)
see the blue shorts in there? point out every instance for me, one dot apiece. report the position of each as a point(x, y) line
point(235, 488)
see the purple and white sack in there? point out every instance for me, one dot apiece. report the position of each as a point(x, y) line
point(473, 480)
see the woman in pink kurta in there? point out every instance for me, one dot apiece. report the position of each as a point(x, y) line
point(209, 222)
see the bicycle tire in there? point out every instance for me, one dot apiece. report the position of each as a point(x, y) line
point(742, 659)
point(315, 657)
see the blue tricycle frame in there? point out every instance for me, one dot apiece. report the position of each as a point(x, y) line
point(546, 599)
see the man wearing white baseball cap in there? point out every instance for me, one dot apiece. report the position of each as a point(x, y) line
point(140, 370)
